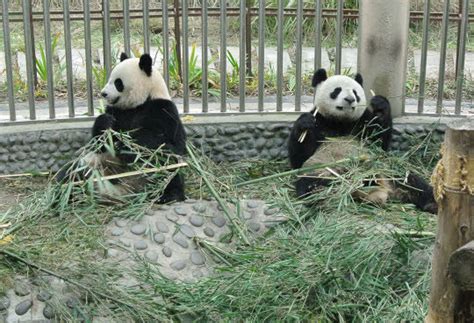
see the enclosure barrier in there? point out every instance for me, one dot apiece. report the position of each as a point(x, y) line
point(180, 13)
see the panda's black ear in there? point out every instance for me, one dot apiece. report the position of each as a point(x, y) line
point(123, 56)
point(145, 64)
point(359, 79)
point(319, 76)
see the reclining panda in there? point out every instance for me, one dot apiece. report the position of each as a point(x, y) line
point(340, 112)
point(138, 102)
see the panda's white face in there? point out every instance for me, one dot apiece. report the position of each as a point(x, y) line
point(340, 97)
point(130, 85)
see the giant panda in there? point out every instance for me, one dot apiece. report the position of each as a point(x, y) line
point(333, 131)
point(138, 103)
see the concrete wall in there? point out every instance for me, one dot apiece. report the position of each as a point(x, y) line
point(47, 146)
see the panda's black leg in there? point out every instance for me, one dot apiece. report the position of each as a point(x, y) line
point(304, 186)
point(174, 191)
point(420, 193)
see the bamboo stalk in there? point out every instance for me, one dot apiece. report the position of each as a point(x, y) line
point(24, 175)
point(214, 193)
point(294, 172)
point(133, 173)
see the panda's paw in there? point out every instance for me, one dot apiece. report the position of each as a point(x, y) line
point(380, 107)
point(305, 122)
point(104, 121)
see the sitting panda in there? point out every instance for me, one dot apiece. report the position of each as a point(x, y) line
point(138, 103)
point(332, 131)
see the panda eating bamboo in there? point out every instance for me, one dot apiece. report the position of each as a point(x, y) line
point(333, 131)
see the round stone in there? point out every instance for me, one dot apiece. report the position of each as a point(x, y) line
point(140, 245)
point(125, 242)
point(199, 208)
point(181, 210)
point(164, 207)
point(120, 223)
point(117, 232)
point(159, 238)
point(197, 258)
point(187, 231)
point(23, 307)
point(196, 220)
point(4, 303)
point(72, 302)
point(112, 253)
point(209, 232)
point(180, 240)
point(167, 251)
point(178, 265)
point(48, 312)
point(270, 211)
point(247, 215)
point(43, 296)
point(138, 229)
point(254, 226)
point(172, 217)
point(252, 204)
point(219, 221)
point(151, 256)
point(190, 201)
point(22, 288)
point(149, 212)
point(162, 227)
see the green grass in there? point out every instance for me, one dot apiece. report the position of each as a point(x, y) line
point(337, 261)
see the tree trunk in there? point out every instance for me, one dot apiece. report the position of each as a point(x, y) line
point(453, 182)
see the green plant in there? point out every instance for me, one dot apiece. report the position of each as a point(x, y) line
point(100, 76)
point(42, 64)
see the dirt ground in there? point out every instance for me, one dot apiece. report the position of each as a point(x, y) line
point(15, 190)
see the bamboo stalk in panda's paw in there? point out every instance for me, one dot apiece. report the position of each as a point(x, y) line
point(303, 135)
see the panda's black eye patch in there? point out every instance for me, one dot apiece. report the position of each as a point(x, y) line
point(357, 97)
point(119, 85)
point(335, 93)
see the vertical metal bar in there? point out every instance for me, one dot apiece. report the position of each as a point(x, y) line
point(299, 58)
point(166, 48)
point(462, 52)
point(339, 20)
point(126, 26)
point(442, 56)
point(88, 52)
point(185, 58)
point(29, 58)
point(280, 22)
point(49, 58)
point(177, 37)
point(204, 56)
point(261, 53)
point(223, 51)
point(31, 34)
point(318, 30)
point(67, 44)
point(242, 54)
point(424, 52)
point(248, 36)
point(8, 60)
point(106, 37)
point(146, 26)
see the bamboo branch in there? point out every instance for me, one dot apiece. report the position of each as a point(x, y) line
point(133, 173)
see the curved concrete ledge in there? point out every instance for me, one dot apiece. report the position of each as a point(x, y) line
point(31, 147)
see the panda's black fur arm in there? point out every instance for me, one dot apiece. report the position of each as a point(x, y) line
point(376, 122)
point(152, 124)
point(300, 152)
point(103, 122)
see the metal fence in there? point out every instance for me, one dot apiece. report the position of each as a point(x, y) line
point(180, 13)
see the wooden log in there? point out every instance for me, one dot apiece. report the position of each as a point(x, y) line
point(453, 183)
point(461, 267)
